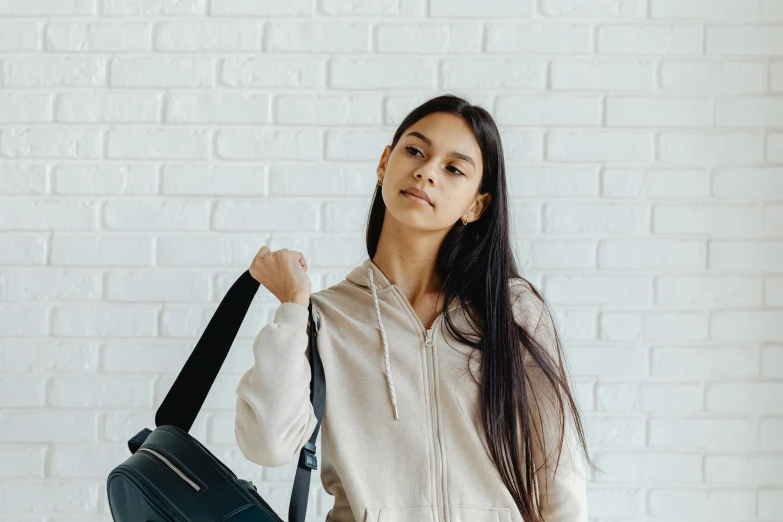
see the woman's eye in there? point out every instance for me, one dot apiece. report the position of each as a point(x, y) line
point(458, 172)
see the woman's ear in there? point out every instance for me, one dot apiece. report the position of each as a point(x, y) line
point(481, 204)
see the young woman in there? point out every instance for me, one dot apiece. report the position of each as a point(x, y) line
point(433, 413)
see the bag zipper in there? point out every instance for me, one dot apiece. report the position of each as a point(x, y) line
point(174, 468)
point(433, 406)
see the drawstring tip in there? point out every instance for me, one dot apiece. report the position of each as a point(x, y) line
point(395, 413)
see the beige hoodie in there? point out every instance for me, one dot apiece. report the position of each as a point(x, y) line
point(401, 439)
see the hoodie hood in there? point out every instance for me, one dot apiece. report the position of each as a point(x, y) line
point(360, 275)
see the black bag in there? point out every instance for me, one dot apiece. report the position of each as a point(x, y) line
point(170, 476)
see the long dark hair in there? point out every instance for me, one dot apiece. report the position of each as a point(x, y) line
point(476, 263)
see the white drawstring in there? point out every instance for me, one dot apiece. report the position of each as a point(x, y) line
point(385, 344)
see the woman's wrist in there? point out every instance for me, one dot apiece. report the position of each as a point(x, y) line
point(301, 299)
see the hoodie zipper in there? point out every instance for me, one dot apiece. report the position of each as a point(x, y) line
point(433, 406)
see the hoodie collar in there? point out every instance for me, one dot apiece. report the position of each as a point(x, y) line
point(360, 276)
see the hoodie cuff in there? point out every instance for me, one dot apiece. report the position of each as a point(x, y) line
point(294, 313)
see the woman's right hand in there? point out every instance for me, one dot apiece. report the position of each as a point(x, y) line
point(283, 273)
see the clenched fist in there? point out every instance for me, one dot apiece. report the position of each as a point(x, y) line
point(282, 272)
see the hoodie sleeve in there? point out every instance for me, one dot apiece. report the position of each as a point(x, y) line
point(560, 477)
point(274, 415)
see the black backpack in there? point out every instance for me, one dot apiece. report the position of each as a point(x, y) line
point(171, 476)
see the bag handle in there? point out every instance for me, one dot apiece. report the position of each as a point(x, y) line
point(184, 400)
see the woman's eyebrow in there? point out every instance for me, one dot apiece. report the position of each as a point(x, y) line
point(455, 154)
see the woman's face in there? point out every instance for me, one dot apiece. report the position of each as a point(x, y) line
point(440, 156)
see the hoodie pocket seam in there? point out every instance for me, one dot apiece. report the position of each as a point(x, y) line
point(501, 514)
point(376, 514)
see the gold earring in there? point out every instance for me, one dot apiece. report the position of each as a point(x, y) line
point(380, 182)
point(464, 221)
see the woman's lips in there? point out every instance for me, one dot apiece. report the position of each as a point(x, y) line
point(415, 199)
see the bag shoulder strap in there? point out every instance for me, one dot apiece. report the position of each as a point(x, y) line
point(184, 400)
point(308, 461)
point(189, 391)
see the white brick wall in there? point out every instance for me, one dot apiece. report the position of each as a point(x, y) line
point(148, 148)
